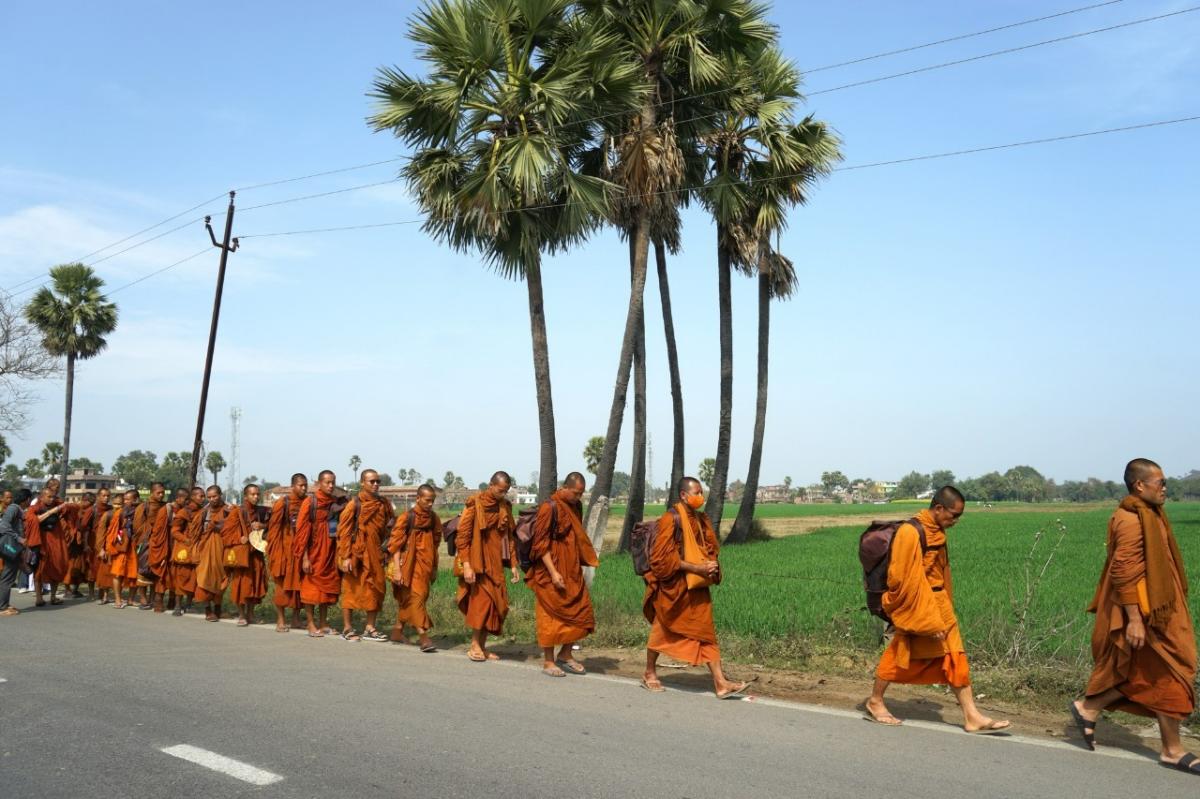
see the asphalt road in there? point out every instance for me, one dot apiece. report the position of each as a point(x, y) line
point(91, 697)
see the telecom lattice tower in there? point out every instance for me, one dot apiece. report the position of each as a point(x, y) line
point(235, 427)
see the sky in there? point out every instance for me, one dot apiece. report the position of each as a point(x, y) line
point(1026, 306)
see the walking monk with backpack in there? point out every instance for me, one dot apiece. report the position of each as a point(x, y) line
point(282, 560)
point(683, 563)
point(414, 551)
point(183, 550)
point(363, 529)
point(485, 546)
point(1143, 643)
point(927, 648)
point(559, 550)
point(316, 547)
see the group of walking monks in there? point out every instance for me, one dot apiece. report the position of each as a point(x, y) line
point(324, 547)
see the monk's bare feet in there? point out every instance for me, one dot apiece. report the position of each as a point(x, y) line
point(651, 683)
point(491, 655)
point(879, 713)
point(477, 655)
point(985, 726)
point(728, 690)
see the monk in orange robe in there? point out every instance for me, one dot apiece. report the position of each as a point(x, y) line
point(414, 550)
point(681, 617)
point(1143, 642)
point(363, 529)
point(247, 584)
point(559, 550)
point(119, 549)
point(316, 549)
point(98, 521)
point(927, 647)
point(281, 556)
point(159, 552)
point(183, 550)
point(44, 531)
point(209, 528)
point(143, 530)
point(78, 542)
point(485, 547)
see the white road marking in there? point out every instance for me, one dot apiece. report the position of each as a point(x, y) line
point(225, 765)
point(3, 679)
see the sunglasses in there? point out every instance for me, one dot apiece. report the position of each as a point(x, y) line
point(373, 482)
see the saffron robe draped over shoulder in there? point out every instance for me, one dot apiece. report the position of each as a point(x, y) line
point(1160, 676)
point(920, 603)
point(119, 543)
point(144, 516)
point(418, 564)
point(159, 555)
point(321, 585)
point(55, 563)
point(282, 561)
point(246, 585)
point(183, 573)
point(563, 616)
point(681, 618)
point(208, 529)
point(485, 537)
point(78, 542)
point(363, 527)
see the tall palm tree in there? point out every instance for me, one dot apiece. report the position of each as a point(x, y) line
point(498, 127)
point(677, 44)
point(355, 463)
point(74, 317)
point(215, 463)
point(759, 162)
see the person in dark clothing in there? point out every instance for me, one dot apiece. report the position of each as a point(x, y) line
point(12, 522)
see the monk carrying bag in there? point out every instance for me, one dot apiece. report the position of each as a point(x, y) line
point(450, 534)
point(875, 554)
point(641, 541)
point(524, 532)
point(335, 511)
point(10, 547)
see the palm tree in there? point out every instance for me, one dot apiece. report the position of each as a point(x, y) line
point(355, 462)
point(52, 457)
point(74, 317)
point(677, 44)
point(499, 126)
point(214, 462)
point(762, 164)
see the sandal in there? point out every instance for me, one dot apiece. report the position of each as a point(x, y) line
point(282, 629)
point(243, 623)
point(56, 601)
point(121, 606)
point(315, 634)
point(1186, 763)
point(553, 671)
point(733, 693)
point(373, 635)
point(429, 647)
point(349, 635)
point(9, 611)
point(476, 657)
point(992, 728)
point(1086, 728)
point(491, 655)
point(653, 685)
point(571, 666)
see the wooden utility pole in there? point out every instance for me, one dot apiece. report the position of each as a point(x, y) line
point(226, 246)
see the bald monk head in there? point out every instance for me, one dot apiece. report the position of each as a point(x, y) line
point(131, 498)
point(370, 481)
point(215, 498)
point(1144, 479)
point(196, 495)
point(426, 494)
point(88, 497)
point(45, 495)
point(53, 484)
point(157, 492)
point(103, 495)
point(499, 484)
point(299, 486)
point(690, 492)
point(575, 485)
point(251, 493)
point(181, 496)
point(325, 481)
point(947, 506)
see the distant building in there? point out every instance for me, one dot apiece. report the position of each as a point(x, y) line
point(83, 481)
point(776, 493)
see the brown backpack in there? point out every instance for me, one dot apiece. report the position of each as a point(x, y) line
point(875, 555)
point(641, 540)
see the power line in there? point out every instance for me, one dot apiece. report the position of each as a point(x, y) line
point(319, 194)
point(149, 275)
point(961, 37)
point(318, 175)
point(910, 159)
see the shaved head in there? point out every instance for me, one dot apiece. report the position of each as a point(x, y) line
point(1139, 469)
point(500, 478)
point(426, 489)
point(684, 486)
point(299, 478)
point(948, 497)
point(573, 480)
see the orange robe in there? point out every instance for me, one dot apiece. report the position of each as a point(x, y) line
point(78, 543)
point(418, 565)
point(562, 616)
point(183, 572)
point(246, 585)
point(681, 618)
point(485, 539)
point(101, 573)
point(920, 603)
point(207, 528)
point(159, 555)
point(118, 543)
point(55, 563)
point(281, 556)
point(86, 525)
point(322, 583)
point(1159, 677)
point(143, 529)
point(364, 526)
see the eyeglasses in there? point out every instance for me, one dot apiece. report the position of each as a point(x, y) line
point(1160, 482)
point(373, 482)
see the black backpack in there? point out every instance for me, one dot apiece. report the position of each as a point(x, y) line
point(524, 532)
point(641, 540)
point(875, 555)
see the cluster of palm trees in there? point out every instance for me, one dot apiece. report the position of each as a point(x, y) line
point(537, 122)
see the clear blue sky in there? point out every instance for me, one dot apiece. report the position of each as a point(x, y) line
point(1025, 306)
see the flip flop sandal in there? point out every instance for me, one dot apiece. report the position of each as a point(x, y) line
point(317, 634)
point(492, 656)
point(1086, 728)
point(571, 666)
point(653, 686)
point(1184, 764)
point(327, 631)
point(476, 657)
point(553, 671)
point(56, 601)
point(243, 623)
point(992, 729)
point(350, 635)
point(282, 629)
point(429, 648)
point(736, 693)
point(177, 612)
point(374, 635)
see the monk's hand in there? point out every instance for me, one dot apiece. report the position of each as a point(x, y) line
point(516, 575)
point(558, 581)
point(306, 565)
point(346, 565)
point(941, 635)
point(1135, 633)
point(245, 539)
point(711, 568)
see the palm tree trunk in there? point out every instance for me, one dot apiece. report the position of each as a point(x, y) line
point(664, 291)
point(66, 456)
point(637, 474)
point(716, 496)
point(597, 516)
point(745, 518)
point(548, 463)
